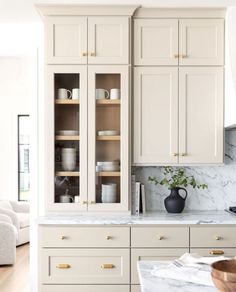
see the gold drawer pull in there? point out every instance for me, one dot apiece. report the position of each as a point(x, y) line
point(183, 154)
point(84, 54)
point(107, 266)
point(183, 56)
point(92, 54)
point(84, 202)
point(175, 154)
point(92, 202)
point(108, 237)
point(63, 237)
point(216, 252)
point(63, 266)
point(218, 237)
point(176, 56)
point(160, 237)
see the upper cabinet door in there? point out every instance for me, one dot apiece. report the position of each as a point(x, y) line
point(201, 42)
point(66, 40)
point(108, 40)
point(201, 107)
point(155, 115)
point(155, 42)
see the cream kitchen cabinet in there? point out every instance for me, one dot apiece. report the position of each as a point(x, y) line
point(155, 42)
point(186, 42)
point(92, 40)
point(178, 117)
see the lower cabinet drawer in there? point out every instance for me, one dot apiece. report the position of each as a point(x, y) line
point(227, 252)
point(136, 288)
point(85, 288)
point(213, 236)
point(141, 254)
point(85, 266)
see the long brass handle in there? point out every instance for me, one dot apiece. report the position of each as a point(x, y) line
point(216, 252)
point(63, 266)
point(107, 266)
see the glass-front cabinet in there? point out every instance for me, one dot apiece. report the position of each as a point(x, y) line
point(88, 138)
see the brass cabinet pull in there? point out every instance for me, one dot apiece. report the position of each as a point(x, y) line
point(183, 154)
point(63, 266)
point(92, 202)
point(84, 54)
point(63, 237)
point(84, 202)
point(92, 54)
point(176, 56)
point(183, 56)
point(218, 237)
point(107, 266)
point(216, 252)
point(175, 154)
point(160, 237)
point(108, 237)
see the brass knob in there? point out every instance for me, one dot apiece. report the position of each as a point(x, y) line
point(84, 54)
point(108, 237)
point(107, 266)
point(216, 252)
point(175, 154)
point(183, 154)
point(92, 54)
point(160, 237)
point(176, 56)
point(63, 266)
point(217, 237)
point(63, 237)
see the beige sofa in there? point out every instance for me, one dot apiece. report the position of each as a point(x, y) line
point(19, 214)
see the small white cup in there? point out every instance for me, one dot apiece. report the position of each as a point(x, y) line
point(115, 93)
point(66, 199)
point(102, 93)
point(64, 93)
point(76, 199)
point(75, 93)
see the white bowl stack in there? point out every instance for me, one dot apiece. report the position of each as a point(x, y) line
point(68, 159)
point(108, 165)
point(109, 191)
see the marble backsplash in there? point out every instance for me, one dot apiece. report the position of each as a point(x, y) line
point(221, 181)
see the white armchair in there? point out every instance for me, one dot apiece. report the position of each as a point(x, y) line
point(8, 235)
point(19, 214)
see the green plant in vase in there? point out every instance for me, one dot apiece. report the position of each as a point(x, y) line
point(176, 179)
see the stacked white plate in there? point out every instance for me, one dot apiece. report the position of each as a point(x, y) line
point(68, 156)
point(109, 193)
point(108, 165)
point(68, 133)
point(108, 133)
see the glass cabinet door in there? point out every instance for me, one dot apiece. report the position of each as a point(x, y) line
point(108, 140)
point(67, 152)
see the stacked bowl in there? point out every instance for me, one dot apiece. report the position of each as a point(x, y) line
point(68, 157)
point(109, 193)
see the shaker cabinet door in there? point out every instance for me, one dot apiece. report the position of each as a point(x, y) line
point(201, 42)
point(155, 42)
point(155, 115)
point(201, 108)
point(108, 40)
point(66, 40)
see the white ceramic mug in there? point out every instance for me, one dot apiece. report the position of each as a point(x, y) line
point(68, 157)
point(66, 199)
point(64, 93)
point(75, 93)
point(115, 93)
point(76, 199)
point(102, 93)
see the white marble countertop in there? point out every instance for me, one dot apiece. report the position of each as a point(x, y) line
point(151, 283)
point(187, 218)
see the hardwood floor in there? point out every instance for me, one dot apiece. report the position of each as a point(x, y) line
point(16, 278)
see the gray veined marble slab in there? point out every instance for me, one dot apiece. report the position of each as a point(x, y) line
point(151, 283)
point(189, 218)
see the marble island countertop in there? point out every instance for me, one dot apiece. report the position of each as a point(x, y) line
point(158, 217)
point(152, 283)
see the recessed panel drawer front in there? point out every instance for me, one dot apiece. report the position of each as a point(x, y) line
point(160, 236)
point(213, 236)
point(85, 236)
point(85, 288)
point(227, 252)
point(85, 266)
point(161, 254)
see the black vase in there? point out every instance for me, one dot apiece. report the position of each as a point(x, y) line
point(174, 203)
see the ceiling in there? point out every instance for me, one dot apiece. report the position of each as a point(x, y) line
point(24, 10)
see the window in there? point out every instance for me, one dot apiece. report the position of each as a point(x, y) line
point(23, 157)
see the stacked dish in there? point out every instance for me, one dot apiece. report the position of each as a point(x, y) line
point(108, 165)
point(68, 133)
point(68, 156)
point(108, 133)
point(109, 193)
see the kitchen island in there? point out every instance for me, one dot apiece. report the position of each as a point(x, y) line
point(152, 283)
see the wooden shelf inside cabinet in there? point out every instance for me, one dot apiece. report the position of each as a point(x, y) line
point(108, 173)
point(67, 138)
point(67, 173)
point(108, 101)
point(67, 101)
point(108, 138)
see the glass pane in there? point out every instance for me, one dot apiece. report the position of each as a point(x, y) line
point(108, 138)
point(23, 158)
point(67, 137)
